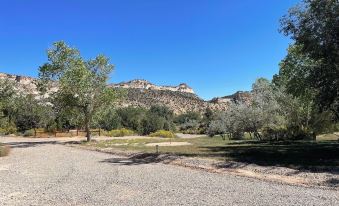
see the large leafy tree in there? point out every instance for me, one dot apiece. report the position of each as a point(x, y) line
point(263, 112)
point(312, 60)
point(82, 84)
point(294, 78)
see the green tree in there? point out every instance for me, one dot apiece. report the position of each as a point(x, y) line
point(313, 60)
point(162, 111)
point(7, 99)
point(151, 123)
point(131, 117)
point(82, 84)
point(107, 119)
point(186, 117)
point(32, 113)
point(165, 113)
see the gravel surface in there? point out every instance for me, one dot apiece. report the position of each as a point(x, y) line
point(52, 174)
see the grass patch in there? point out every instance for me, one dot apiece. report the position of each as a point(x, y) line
point(163, 134)
point(293, 154)
point(4, 150)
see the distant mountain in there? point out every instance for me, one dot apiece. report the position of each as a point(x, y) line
point(142, 93)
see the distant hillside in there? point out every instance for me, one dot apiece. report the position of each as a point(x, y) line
point(141, 93)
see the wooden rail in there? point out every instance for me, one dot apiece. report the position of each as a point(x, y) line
point(71, 132)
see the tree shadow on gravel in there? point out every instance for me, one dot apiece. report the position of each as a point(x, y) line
point(139, 159)
point(29, 144)
point(310, 156)
point(332, 182)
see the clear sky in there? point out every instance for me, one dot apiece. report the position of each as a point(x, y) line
point(215, 46)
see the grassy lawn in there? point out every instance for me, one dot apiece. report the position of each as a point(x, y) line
point(293, 154)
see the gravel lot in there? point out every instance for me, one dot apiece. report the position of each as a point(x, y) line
point(52, 174)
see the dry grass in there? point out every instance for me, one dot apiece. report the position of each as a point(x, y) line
point(328, 137)
point(292, 154)
point(4, 150)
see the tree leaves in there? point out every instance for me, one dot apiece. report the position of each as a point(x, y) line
point(313, 60)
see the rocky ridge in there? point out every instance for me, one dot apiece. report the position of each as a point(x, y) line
point(142, 93)
point(144, 84)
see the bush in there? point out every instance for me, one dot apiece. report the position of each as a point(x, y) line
point(108, 120)
point(4, 150)
point(187, 117)
point(162, 111)
point(163, 134)
point(131, 117)
point(51, 128)
point(29, 133)
point(120, 132)
point(287, 134)
point(190, 127)
point(8, 129)
point(151, 123)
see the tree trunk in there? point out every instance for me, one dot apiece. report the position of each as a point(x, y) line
point(88, 134)
point(257, 136)
point(87, 129)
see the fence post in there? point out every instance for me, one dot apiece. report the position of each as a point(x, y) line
point(55, 134)
point(34, 132)
point(77, 132)
point(99, 132)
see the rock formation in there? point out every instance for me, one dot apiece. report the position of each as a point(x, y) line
point(142, 93)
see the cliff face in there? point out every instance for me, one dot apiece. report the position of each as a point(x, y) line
point(24, 84)
point(27, 84)
point(141, 93)
point(240, 96)
point(144, 84)
point(179, 102)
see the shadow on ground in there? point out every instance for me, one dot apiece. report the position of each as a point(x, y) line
point(313, 156)
point(332, 182)
point(139, 159)
point(29, 144)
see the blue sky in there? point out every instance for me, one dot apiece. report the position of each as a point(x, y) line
point(215, 46)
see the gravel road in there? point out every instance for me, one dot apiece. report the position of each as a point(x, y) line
point(53, 174)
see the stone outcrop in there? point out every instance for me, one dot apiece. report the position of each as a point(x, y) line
point(240, 96)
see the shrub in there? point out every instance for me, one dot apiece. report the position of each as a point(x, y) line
point(131, 117)
point(107, 120)
point(187, 117)
point(190, 127)
point(151, 123)
point(28, 133)
point(4, 150)
point(163, 134)
point(9, 129)
point(120, 132)
point(291, 133)
point(51, 128)
point(162, 111)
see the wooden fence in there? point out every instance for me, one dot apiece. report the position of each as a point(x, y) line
point(69, 133)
